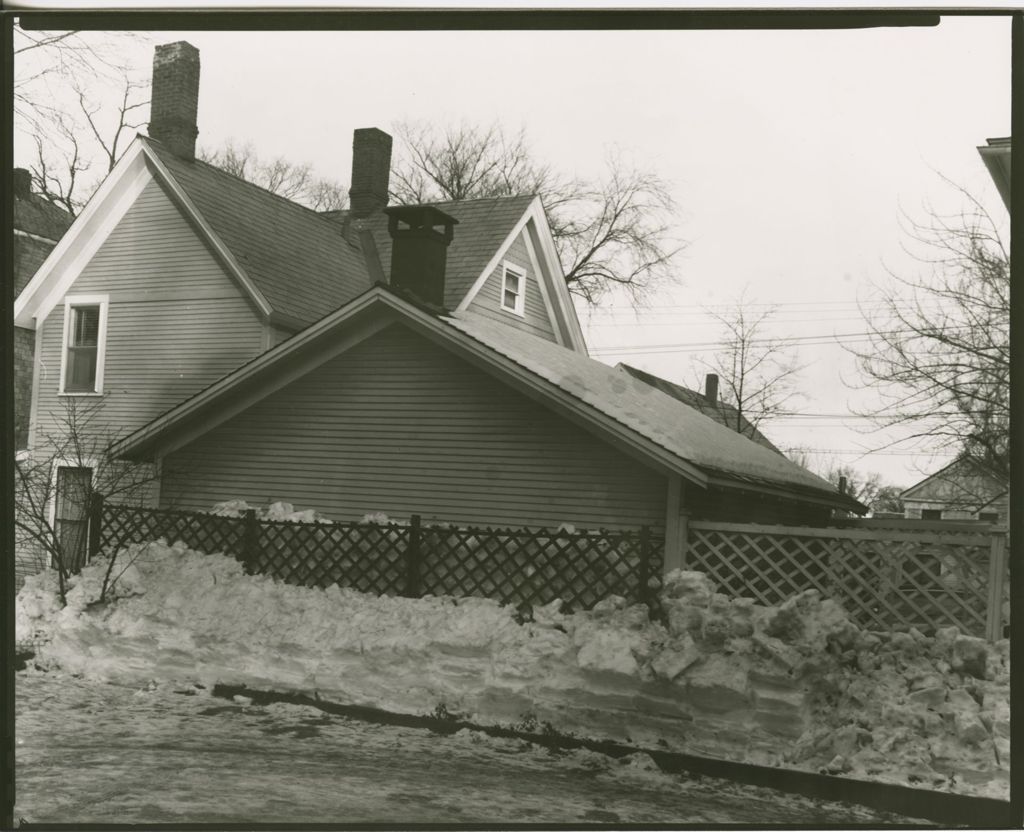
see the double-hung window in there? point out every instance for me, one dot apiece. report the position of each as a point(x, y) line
point(85, 325)
point(513, 287)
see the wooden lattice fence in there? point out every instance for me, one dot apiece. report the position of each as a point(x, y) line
point(517, 566)
point(885, 578)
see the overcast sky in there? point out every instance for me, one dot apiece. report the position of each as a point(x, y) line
point(791, 156)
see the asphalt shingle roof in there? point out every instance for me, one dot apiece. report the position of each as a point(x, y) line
point(665, 420)
point(483, 226)
point(296, 257)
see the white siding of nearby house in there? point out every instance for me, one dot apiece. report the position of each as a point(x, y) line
point(400, 425)
point(176, 321)
point(535, 318)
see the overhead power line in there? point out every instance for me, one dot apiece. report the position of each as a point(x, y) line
point(808, 340)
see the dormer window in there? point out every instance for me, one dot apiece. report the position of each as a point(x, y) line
point(513, 286)
point(85, 330)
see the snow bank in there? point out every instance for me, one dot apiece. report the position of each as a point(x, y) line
point(796, 685)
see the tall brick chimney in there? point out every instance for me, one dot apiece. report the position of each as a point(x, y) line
point(371, 171)
point(175, 98)
point(22, 183)
point(420, 236)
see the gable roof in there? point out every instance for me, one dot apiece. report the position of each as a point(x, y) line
point(296, 264)
point(721, 412)
point(297, 258)
point(965, 480)
point(484, 224)
point(996, 156)
point(629, 413)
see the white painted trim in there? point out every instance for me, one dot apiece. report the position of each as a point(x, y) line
point(92, 463)
point(218, 245)
point(87, 233)
point(492, 264)
point(562, 298)
point(519, 308)
point(70, 302)
point(542, 285)
point(19, 233)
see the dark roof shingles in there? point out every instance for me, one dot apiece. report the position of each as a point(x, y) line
point(483, 226)
point(296, 257)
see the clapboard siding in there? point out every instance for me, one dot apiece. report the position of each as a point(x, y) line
point(487, 302)
point(177, 321)
point(400, 425)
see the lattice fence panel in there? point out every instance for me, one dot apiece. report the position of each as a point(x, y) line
point(366, 557)
point(884, 581)
point(526, 567)
point(122, 525)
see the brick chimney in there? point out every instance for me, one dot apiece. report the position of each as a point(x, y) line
point(175, 98)
point(371, 171)
point(711, 388)
point(22, 183)
point(420, 236)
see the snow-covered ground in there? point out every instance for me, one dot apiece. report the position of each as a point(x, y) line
point(798, 685)
point(93, 752)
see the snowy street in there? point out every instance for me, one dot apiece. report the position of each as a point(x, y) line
point(89, 751)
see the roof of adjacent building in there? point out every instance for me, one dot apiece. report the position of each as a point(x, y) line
point(721, 412)
point(965, 480)
point(662, 427)
point(484, 224)
point(36, 215)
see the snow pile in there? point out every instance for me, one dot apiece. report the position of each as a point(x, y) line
point(280, 511)
point(795, 685)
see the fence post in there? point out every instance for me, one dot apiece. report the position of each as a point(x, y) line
point(250, 540)
point(413, 557)
point(645, 563)
point(95, 522)
point(996, 582)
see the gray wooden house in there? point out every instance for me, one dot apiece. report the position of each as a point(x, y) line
point(416, 359)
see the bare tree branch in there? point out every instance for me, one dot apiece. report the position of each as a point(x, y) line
point(941, 343)
point(296, 182)
point(612, 233)
point(756, 372)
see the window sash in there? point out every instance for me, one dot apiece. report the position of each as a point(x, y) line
point(82, 351)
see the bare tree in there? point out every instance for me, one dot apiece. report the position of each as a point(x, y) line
point(939, 353)
point(756, 372)
point(89, 135)
point(296, 182)
point(866, 487)
point(77, 99)
point(612, 233)
point(56, 486)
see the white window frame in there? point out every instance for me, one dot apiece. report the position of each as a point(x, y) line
point(71, 301)
point(520, 304)
point(89, 462)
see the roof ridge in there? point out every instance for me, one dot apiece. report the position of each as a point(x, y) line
point(444, 202)
point(243, 180)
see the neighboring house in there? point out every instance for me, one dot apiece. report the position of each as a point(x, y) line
point(419, 359)
point(965, 489)
point(996, 156)
point(707, 403)
point(38, 226)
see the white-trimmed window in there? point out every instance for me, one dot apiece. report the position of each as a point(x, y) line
point(85, 336)
point(513, 288)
